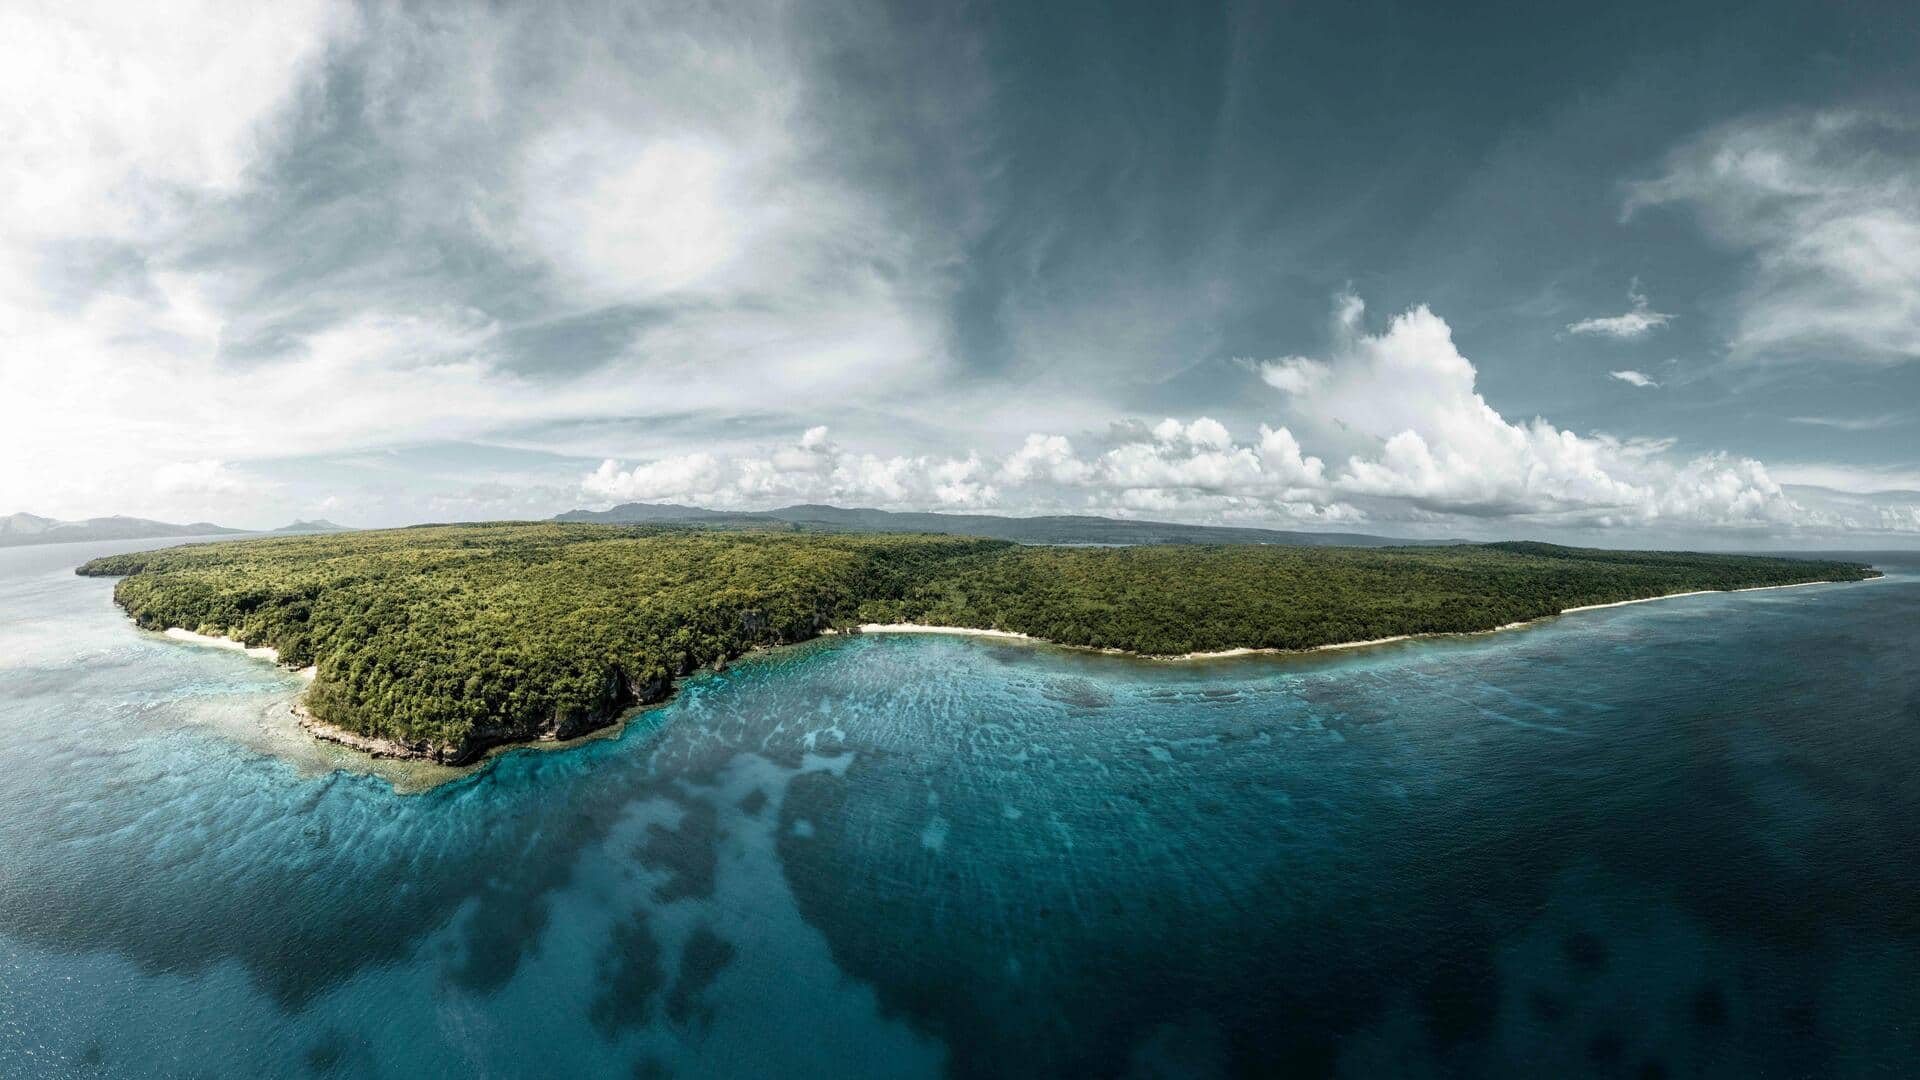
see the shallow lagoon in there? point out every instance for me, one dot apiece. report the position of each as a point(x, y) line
point(1673, 838)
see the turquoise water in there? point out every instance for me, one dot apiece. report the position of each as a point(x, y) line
point(1671, 839)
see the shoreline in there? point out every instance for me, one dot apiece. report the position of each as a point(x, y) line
point(379, 748)
point(258, 652)
point(958, 631)
point(1701, 592)
point(1223, 654)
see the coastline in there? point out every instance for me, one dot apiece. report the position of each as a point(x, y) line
point(969, 631)
point(258, 652)
point(1697, 592)
point(925, 628)
point(377, 747)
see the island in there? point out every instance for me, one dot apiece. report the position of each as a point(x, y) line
point(441, 642)
point(18, 530)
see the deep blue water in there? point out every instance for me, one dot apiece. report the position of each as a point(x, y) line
point(1673, 839)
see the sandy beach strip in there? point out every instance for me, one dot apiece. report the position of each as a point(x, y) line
point(1696, 592)
point(969, 631)
point(922, 628)
point(258, 652)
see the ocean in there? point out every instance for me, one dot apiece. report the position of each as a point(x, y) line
point(1673, 839)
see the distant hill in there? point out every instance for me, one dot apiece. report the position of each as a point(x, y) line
point(20, 529)
point(317, 525)
point(1057, 529)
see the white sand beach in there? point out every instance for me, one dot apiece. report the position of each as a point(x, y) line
point(922, 628)
point(1696, 592)
point(969, 631)
point(258, 652)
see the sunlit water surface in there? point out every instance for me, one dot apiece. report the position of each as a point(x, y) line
point(1676, 839)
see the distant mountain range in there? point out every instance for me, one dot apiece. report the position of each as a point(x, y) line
point(17, 530)
point(20, 529)
point(1058, 529)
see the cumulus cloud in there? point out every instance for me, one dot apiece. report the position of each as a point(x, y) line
point(1827, 204)
point(1045, 457)
point(1422, 445)
point(1192, 468)
point(1437, 443)
point(812, 469)
point(1633, 378)
point(1631, 325)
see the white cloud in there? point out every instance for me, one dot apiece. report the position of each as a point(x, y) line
point(814, 469)
point(1633, 378)
point(1048, 457)
point(686, 475)
point(634, 221)
point(669, 161)
point(116, 115)
point(1855, 479)
point(1828, 206)
point(1428, 450)
point(1853, 423)
point(1435, 442)
point(1293, 374)
point(197, 478)
point(1632, 325)
point(1189, 468)
point(1841, 513)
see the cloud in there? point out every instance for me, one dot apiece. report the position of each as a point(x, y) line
point(1632, 325)
point(1425, 448)
point(1839, 512)
point(1045, 457)
point(1853, 423)
point(383, 221)
point(685, 475)
point(1827, 206)
point(1425, 435)
point(813, 469)
point(1294, 374)
point(1192, 468)
point(197, 478)
point(1634, 378)
point(1855, 479)
point(120, 117)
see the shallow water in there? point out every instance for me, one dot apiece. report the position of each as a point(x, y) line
point(1668, 839)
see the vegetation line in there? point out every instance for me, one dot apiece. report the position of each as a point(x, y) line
point(443, 641)
point(967, 631)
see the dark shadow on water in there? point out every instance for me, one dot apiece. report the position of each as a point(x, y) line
point(701, 961)
point(630, 976)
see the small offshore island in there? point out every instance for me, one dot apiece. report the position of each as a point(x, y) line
point(441, 642)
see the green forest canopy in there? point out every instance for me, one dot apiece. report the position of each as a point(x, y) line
point(447, 639)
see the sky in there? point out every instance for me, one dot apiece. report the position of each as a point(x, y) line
point(1637, 274)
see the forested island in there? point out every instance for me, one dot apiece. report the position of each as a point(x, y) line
point(442, 641)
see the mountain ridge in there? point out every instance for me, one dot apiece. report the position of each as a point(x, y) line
point(22, 529)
